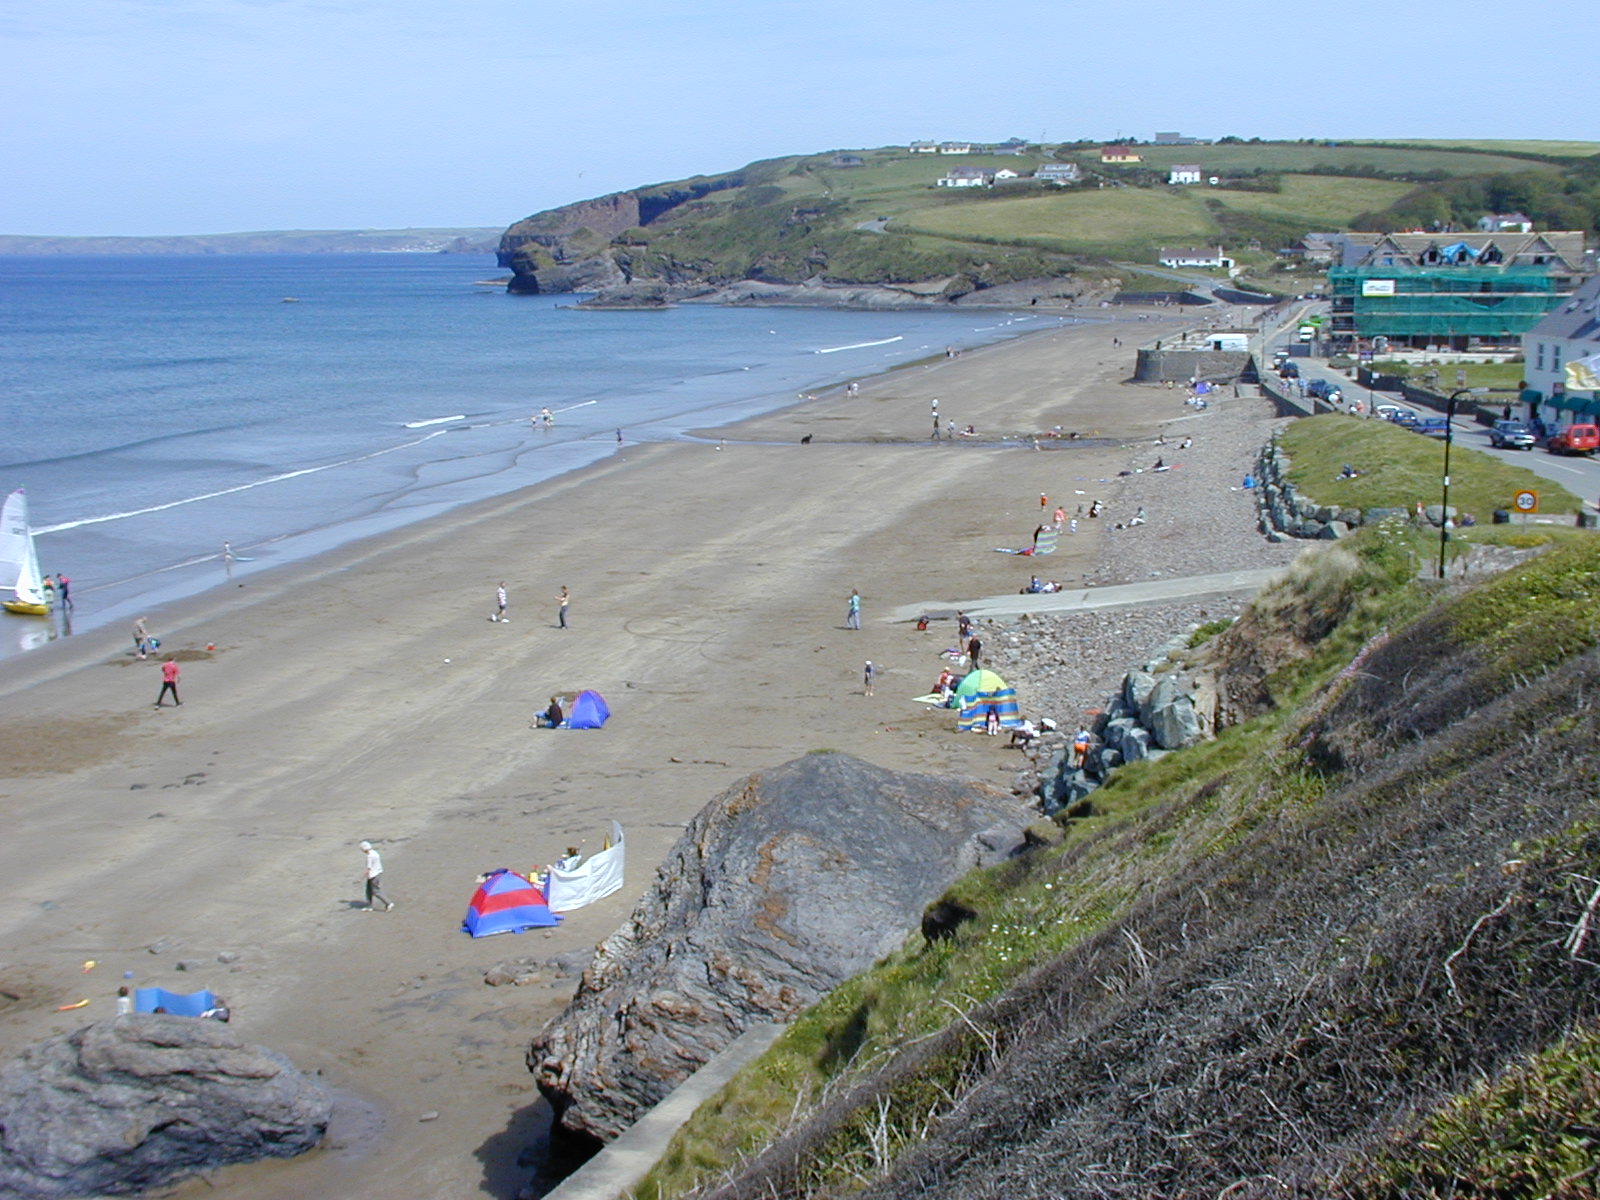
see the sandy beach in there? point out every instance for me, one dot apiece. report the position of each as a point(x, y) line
point(366, 695)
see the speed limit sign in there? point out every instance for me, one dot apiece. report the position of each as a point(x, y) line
point(1526, 502)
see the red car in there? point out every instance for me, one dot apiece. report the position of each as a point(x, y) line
point(1575, 439)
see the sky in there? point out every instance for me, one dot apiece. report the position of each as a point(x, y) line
point(155, 117)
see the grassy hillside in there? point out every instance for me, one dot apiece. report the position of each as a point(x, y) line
point(795, 218)
point(1339, 951)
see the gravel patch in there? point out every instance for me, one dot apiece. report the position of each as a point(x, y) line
point(1198, 520)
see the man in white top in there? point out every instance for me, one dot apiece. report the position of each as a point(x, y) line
point(499, 613)
point(375, 878)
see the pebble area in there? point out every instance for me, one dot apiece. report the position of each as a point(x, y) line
point(1199, 520)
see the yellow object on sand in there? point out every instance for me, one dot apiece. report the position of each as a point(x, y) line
point(89, 966)
point(70, 1007)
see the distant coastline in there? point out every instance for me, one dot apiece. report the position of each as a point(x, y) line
point(291, 241)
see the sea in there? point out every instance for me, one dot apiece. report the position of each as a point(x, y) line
point(156, 407)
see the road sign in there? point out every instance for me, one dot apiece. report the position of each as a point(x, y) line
point(1526, 502)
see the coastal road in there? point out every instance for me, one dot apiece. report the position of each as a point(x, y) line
point(1126, 595)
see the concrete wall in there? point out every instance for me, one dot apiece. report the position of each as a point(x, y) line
point(1219, 366)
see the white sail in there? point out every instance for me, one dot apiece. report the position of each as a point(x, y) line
point(19, 562)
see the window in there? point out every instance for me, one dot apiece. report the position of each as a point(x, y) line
point(1540, 365)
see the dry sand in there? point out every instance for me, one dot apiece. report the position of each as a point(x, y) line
point(366, 695)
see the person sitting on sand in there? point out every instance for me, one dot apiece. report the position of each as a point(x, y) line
point(1348, 472)
point(551, 717)
point(1024, 735)
point(1138, 517)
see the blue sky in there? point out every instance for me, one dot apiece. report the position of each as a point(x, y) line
point(211, 116)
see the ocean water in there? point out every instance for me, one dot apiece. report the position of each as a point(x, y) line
point(155, 407)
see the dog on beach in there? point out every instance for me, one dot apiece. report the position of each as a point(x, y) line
point(806, 441)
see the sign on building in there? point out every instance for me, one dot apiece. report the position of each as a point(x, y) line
point(1377, 287)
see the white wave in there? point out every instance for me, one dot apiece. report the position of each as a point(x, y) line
point(859, 345)
point(581, 404)
point(435, 421)
point(243, 487)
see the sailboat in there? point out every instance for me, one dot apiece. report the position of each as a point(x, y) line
point(19, 562)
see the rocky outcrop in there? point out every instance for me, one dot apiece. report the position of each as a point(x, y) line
point(787, 884)
point(1160, 707)
point(138, 1101)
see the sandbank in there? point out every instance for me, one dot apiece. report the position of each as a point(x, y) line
point(364, 694)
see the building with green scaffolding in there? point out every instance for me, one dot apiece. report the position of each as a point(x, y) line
point(1450, 291)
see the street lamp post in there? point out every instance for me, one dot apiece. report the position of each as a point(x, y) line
point(1444, 504)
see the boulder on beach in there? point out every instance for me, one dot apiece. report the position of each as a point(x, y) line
point(141, 1100)
point(787, 884)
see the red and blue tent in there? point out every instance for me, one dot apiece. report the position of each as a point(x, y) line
point(506, 903)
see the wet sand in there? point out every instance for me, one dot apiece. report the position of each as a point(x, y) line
point(366, 695)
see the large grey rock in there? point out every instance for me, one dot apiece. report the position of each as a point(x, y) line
point(138, 1101)
point(1136, 688)
point(784, 886)
point(1176, 724)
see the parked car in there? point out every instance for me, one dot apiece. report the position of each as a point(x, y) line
point(1434, 427)
point(1405, 418)
point(1327, 389)
point(1574, 439)
point(1386, 411)
point(1289, 370)
point(1512, 435)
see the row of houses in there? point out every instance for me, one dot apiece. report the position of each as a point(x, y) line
point(1056, 173)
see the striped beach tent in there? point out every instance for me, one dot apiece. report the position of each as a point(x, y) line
point(1044, 541)
point(506, 903)
point(981, 691)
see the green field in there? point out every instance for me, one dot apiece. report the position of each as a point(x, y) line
point(1331, 199)
point(1287, 156)
point(1113, 220)
point(1075, 221)
point(1556, 149)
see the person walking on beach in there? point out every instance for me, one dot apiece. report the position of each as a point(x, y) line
point(852, 616)
point(169, 682)
point(64, 589)
point(869, 674)
point(374, 878)
point(500, 598)
point(974, 647)
point(564, 599)
point(141, 638)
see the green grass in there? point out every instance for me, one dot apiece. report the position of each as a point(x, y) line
point(1501, 377)
point(1086, 221)
point(1534, 1131)
point(1331, 200)
point(1557, 149)
point(1290, 157)
point(1399, 469)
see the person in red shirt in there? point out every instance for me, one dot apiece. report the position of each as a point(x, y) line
point(169, 681)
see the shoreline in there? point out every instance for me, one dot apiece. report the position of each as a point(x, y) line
point(117, 601)
point(708, 607)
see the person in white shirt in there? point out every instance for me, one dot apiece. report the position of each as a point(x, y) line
point(375, 878)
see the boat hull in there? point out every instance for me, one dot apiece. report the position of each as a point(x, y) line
point(24, 608)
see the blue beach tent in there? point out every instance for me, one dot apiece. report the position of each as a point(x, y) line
point(192, 1004)
point(507, 903)
point(589, 711)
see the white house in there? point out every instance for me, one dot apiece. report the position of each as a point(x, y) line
point(967, 177)
point(1184, 173)
point(1516, 222)
point(1007, 173)
point(924, 147)
point(1569, 333)
point(955, 147)
point(1194, 258)
point(1060, 173)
